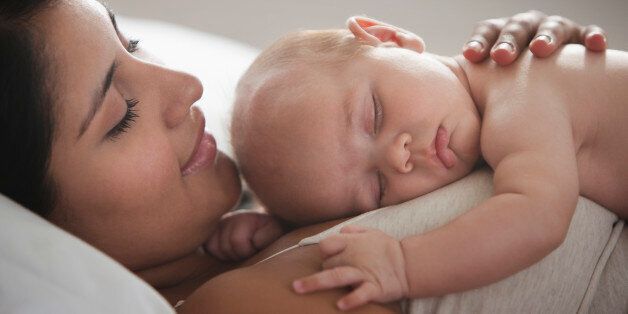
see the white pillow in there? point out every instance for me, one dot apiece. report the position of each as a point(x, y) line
point(47, 270)
point(43, 269)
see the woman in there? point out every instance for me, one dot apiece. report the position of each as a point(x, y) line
point(110, 149)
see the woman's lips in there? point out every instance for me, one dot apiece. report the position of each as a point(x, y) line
point(204, 152)
point(443, 152)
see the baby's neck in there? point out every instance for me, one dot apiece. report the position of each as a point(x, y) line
point(464, 70)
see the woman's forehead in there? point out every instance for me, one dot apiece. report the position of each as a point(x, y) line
point(75, 30)
point(80, 42)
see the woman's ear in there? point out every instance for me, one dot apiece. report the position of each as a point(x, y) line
point(376, 33)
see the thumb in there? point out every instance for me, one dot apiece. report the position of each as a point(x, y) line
point(266, 234)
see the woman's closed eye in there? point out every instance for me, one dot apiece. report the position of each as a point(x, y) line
point(131, 112)
point(127, 120)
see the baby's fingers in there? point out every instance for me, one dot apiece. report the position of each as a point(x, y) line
point(267, 234)
point(328, 279)
point(213, 246)
point(332, 245)
point(366, 292)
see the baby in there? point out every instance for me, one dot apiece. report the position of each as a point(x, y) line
point(329, 124)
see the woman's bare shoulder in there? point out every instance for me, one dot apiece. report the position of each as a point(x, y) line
point(266, 287)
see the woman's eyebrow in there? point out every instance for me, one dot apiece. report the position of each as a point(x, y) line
point(97, 99)
point(99, 96)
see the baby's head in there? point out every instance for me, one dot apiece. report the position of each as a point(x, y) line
point(328, 124)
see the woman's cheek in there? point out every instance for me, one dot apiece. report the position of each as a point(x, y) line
point(151, 169)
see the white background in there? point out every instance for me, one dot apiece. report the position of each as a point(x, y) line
point(445, 25)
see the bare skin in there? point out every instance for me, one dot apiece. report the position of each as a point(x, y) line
point(551, 129)
point(103, 176)
point(266, 287)
point(545, 148)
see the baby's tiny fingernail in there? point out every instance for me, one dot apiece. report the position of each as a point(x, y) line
point(505, 46)
point(474, 45)
point(544, 38)
point(342, 305)
point(297, 285)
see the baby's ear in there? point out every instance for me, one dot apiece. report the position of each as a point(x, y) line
point(376, 33)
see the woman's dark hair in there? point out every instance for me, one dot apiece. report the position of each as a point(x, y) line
point(26, 107)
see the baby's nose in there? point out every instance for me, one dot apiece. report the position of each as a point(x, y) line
point(398, 154)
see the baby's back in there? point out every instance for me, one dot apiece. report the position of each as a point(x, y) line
point(591, 90)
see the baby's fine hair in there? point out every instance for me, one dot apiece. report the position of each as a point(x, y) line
point(327, 48)
point(303, 51)
point(313, 49)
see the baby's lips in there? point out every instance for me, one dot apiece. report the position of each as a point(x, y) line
point(443, 152)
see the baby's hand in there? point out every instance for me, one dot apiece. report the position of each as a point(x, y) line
point(242, 233)
point(367, 259)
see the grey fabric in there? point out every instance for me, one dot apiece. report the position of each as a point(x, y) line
point(562, 282)
point(611, 295)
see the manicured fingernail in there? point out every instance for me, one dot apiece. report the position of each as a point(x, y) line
point(474, 45)
point(544, 38)
point(597, 34)
point(505, 46)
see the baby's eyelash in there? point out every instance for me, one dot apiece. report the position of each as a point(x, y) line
point(377, 119)
point(382, 187)
point(133, 45)
point(126, 121)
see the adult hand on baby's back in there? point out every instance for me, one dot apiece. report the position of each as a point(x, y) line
point(367, 259)
point(505, 38)
point(242, 233)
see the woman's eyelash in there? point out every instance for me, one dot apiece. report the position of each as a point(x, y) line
point(126, 121)
point(133, 45)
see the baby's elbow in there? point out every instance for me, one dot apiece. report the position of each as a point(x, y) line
point(556, 238)
point(554, 230)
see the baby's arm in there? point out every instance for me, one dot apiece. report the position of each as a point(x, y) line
point(529, 145)
point(536, 191)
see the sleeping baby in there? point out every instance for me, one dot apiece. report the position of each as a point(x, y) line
point(329, 124)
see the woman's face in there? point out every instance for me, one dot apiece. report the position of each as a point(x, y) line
point(126, 135)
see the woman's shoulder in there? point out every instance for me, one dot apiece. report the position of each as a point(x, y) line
point(266, 287)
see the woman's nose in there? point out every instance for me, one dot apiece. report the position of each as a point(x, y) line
point(179, 92)
point(398, 153)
